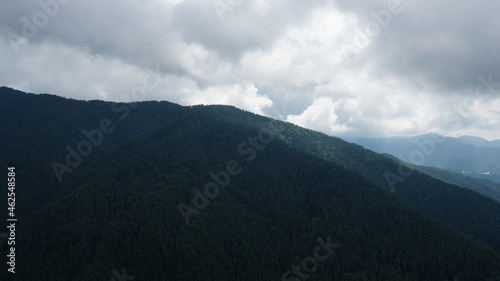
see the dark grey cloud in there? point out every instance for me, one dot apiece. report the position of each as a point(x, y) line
point(246, 26)
point(448, 43)
point(417, 74)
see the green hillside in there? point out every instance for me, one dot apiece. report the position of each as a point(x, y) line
point(485, 187)
point(215, 193)
point(434, 197)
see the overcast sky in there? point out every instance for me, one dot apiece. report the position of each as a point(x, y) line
point(345, 67)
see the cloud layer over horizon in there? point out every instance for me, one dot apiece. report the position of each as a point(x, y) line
point(346, 68)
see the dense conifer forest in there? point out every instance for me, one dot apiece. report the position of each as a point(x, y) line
point(157, 191)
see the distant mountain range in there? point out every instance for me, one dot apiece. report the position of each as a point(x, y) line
point(468, 154)
point(480, 141)
point(160, 191)
point(484, 176)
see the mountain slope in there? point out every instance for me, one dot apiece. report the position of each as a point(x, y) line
point(434, 197)
point(64, 120)
point(120, 205)
point(37, 129)
point(484, 187)
point(267, 219)
point(484, 176)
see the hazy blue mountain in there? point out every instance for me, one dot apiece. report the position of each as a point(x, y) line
point(437, 151)
point(480, 141)
point(485, 176)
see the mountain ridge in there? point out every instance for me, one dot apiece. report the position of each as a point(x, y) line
point(120, 207)
point(478, 141)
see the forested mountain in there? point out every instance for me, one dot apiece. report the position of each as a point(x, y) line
point(485, 187)
point(419, 190)
point(485, 176)
point(166, 192)
point(433, 150)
